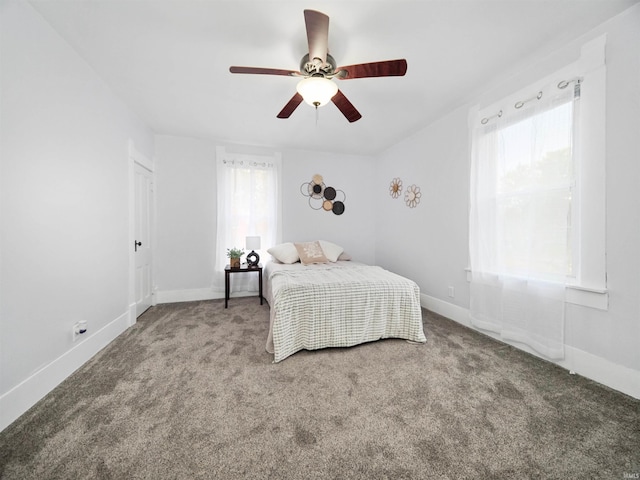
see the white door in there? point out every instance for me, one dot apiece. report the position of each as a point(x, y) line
point(142, 241)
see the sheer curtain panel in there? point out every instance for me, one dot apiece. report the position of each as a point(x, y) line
point(523, 218)
point(248, 197)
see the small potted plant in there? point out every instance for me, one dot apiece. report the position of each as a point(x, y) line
point(234, 255)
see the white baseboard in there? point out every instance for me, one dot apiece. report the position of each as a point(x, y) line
point(446, 309)
point(132, 315)
point(618, 377)
point(175, 296)
point(23, 396)
point(196, 294)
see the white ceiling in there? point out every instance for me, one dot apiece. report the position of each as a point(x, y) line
point(169, 60)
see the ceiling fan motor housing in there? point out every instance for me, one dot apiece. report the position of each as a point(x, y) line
point(312, 69)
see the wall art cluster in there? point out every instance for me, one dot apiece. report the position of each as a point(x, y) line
point(322, 197)
point(411, 196)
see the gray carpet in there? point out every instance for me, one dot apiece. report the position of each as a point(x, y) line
point(190, 392)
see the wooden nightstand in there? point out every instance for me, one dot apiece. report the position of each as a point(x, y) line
point(243, 269)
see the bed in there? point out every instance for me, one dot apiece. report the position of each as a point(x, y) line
point(338, 304)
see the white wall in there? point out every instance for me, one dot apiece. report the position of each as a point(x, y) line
point(185, 213)
point(428, 243)
point(355, 176)
point(600, 344)
point(64, 209)
point(186, 210)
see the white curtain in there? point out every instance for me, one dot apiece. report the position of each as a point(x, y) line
point(521, 238)
point(248, 204)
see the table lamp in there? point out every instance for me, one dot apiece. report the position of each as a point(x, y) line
point(253, 258)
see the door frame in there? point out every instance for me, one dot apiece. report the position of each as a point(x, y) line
point(137, 157)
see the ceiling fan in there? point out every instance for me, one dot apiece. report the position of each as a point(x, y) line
point(318, 69)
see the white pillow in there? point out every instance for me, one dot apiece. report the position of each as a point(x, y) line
point(284, 253)
point(344, 256)
point(331, 250)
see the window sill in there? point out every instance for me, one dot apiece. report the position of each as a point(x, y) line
point(597, 298)
point(587, 297)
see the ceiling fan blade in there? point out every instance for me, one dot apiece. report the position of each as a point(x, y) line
point(317, 35)
point(346, 107)
point(387, 68)
point(290, 106)
point(264, 71)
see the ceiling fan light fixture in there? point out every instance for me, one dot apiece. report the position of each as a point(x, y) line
point(317, 91)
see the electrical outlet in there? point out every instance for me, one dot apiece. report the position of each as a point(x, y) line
point(79, 328)
point(452, 292)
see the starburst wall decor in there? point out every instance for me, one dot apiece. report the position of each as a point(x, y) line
point(395, 187)
point(411, 196)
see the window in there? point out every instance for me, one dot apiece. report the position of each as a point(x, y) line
point(248, 204)
point(528, 176)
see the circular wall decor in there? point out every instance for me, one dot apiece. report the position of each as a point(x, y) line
point(316, 190)
point(316, 203)
point(322, 197)
point(330, 193)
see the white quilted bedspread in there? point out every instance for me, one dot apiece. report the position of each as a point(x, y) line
point(339, 305)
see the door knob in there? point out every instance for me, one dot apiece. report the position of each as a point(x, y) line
point(136, 244)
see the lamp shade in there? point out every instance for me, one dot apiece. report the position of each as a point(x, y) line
point(252, 243)
point(317, 91)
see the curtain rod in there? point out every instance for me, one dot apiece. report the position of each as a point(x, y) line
point(561, 85)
